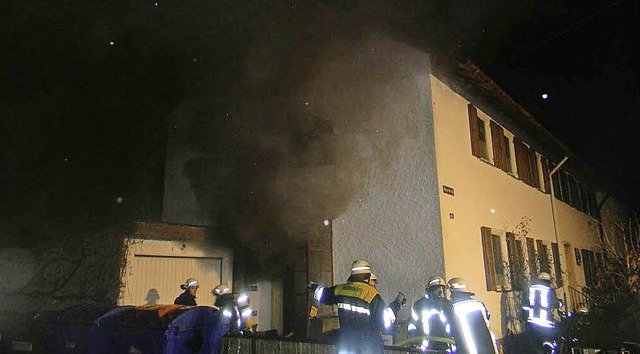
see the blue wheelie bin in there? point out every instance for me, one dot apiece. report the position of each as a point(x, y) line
point(72, 330)
point(160, 329)
point(194, 331)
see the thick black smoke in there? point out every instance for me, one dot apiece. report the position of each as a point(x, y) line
point(284, 145)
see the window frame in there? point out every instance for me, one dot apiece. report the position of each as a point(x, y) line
point(494, 269)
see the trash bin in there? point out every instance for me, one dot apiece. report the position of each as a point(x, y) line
point(161, 329)
point(71, 330)
point(194, 331)
point(139, 330)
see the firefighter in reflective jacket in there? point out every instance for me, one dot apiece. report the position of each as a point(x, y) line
point(430, 318)
point(236, 313)
point(362, 313)
point(540, 306)
point(471, 328)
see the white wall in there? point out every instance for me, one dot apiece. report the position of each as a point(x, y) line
point(393, 221)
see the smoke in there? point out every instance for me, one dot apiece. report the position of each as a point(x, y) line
point(305, 119)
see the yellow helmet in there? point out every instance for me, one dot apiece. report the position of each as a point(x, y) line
point(222, 289)
point(360, 266)
point(458, 284)
point(436, 281)
point(191, 282)
point(373, 277)
point(544, 276)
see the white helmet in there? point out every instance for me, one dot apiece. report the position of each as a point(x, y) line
point(544, 276)
point(459, 284)
point(360, 266)
point(191, 282)
point(222, 289)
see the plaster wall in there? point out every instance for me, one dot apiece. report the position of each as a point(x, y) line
point(484, 195)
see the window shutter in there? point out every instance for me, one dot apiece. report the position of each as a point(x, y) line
point(522, 160)
point(489, 268)
point(515, 263)
point(473, 128)
point(556, 264)
point(531, 258)
point(545, 175)
point(497, 140)
point(534, 171)
point(543, 257)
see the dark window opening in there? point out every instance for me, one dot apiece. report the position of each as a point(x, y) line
point(507, 154)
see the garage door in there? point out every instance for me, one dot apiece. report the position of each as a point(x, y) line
point(156, 279)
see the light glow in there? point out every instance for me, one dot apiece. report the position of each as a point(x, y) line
point(462, 309)
point(247, 312)
point(243, 298)
point(317, 294)
point(389, 317)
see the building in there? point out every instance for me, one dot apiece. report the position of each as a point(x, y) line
point(447, 176)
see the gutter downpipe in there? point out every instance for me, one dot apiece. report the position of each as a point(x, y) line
point(555, 225)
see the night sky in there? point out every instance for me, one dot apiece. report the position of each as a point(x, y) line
point(87, 86)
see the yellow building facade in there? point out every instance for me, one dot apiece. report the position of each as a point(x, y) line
point(496, 211)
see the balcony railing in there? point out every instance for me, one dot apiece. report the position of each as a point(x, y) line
point(578, 299)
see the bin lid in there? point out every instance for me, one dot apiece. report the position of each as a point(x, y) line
point(195, 317)
point(75, 314)
point(157, 316)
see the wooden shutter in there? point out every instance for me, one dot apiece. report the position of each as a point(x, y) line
point(515, 263)
point(522, 160)
point(556, 263)
point(534, 171)
point(543, 257)
point(545, 174)
point(531, 258)
point(489, 261)
point(476, 149)
point(497, 140)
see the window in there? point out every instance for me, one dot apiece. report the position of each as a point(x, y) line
point(478, 134)
point(482, 136)
point(545, 174)
point(493, 264)
point(588, 265)
point(557, 188)
point(533, 168)
point(516, 262)
point(564, 186)
point(584, 200)
point(531, 258)
point(556, 264)
point(507, 152)
point(573, 190)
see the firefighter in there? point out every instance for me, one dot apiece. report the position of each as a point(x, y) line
point(236, 312)
point(471, 328)
point(188, 297)
point(373, 280)
point(246, 313)
point(539, 306)
point(362, 313)
point(431, 317)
